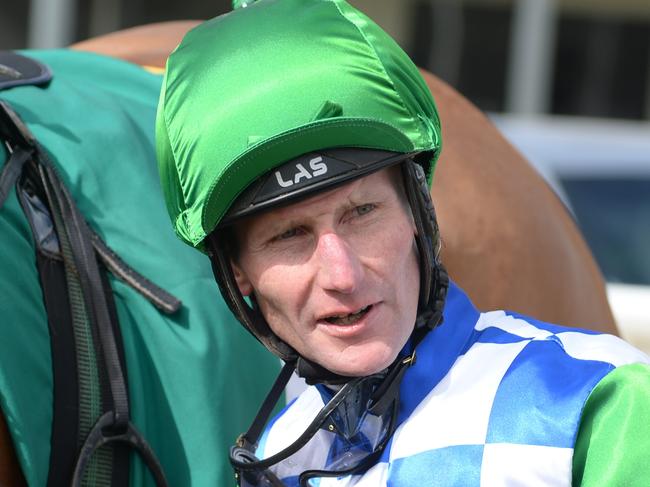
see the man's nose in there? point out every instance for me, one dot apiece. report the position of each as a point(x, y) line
point(340, 269)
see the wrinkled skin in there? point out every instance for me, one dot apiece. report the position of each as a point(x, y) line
point(329, 279)
point(507, 239)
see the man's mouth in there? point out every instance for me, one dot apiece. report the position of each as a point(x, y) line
point(348, 319)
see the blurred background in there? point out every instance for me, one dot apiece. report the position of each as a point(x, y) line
point(578, 57)
point(567, 81)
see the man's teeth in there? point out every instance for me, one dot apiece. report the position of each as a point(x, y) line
point(348, 319)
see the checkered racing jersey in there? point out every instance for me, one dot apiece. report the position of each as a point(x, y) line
point(493, 399)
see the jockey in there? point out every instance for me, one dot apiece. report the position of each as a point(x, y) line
point(296, 145)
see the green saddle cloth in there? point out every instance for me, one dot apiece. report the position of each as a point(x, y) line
point(195, 377)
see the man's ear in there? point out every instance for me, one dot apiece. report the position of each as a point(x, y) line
point(243, 283)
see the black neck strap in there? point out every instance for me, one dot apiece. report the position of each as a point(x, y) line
point(251, 437)
point(383, 397)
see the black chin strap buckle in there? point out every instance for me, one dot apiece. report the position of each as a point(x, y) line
point(388, 391)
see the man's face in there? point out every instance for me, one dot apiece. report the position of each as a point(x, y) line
point(336, 276)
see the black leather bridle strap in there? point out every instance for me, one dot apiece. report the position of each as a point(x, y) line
point(92, 310)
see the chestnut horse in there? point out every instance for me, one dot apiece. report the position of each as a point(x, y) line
point(507, 239)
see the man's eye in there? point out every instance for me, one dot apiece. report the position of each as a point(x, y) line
point(364, 209)
point(287, 234)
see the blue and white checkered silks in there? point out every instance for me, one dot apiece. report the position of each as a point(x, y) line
point(494, 399)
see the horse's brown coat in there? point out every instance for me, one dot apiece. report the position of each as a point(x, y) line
point(508, 241)
point(10, 473)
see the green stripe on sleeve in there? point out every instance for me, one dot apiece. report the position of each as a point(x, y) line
point(613, 443)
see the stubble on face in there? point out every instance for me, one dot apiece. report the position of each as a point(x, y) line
point(336, 275)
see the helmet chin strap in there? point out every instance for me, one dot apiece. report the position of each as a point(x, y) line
point(433, 284)
point(427, 319)
point(381, 399)
point(429, 316)
point(384, 395)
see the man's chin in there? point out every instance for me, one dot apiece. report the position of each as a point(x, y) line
point(362, 366)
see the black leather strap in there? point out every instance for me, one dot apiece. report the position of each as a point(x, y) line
point(79, 302)
point(11, 170)
point(252, 436)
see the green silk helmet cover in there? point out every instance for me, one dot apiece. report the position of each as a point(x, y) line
point(252, 89)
